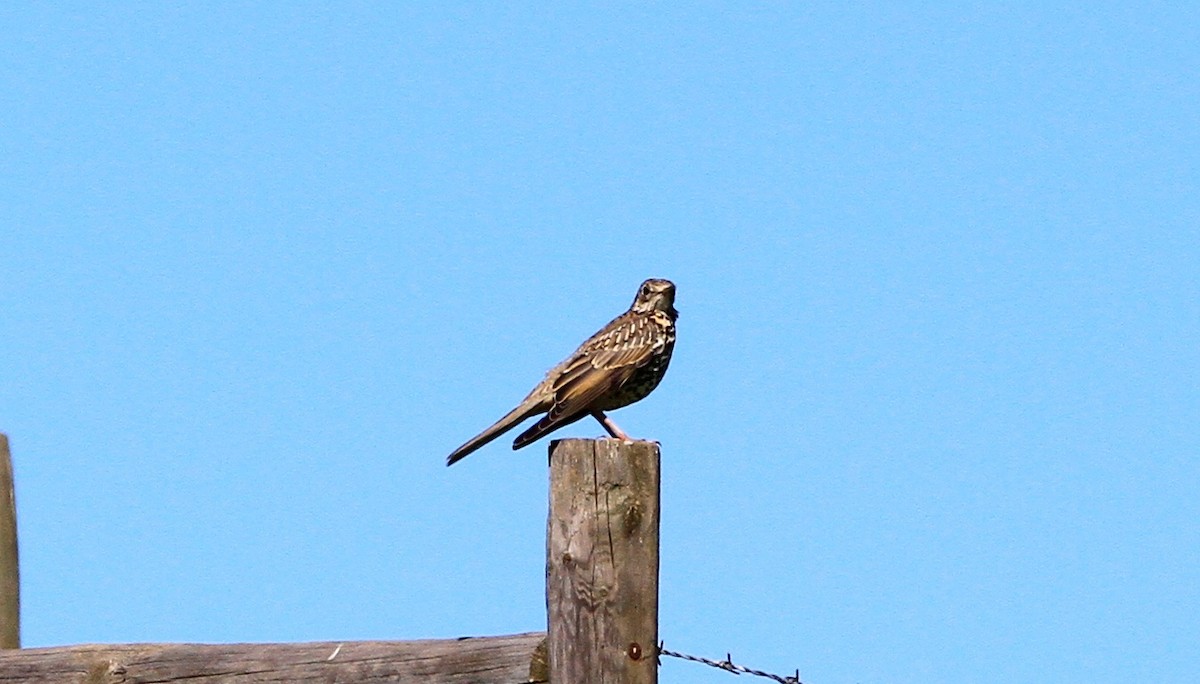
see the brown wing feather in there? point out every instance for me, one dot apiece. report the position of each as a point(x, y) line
point(573, 401)
point(604, 363)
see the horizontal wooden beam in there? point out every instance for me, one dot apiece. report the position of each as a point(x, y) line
point(470, 660)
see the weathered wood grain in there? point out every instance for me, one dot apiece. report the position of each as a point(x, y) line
point(481, 660)
point(602, 562)
point(10, 575)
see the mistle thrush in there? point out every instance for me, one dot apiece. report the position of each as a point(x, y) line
point(615, 367)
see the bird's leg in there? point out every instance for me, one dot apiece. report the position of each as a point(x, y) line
point(612, 428)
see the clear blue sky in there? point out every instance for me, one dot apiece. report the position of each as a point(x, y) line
point(933, 411)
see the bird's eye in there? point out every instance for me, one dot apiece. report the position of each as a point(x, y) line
point(645, 290)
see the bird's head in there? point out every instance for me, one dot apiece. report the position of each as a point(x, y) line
point(656, 294)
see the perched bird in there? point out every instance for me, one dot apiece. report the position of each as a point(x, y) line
point(620, 364)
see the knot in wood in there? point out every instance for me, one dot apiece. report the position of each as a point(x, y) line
point(632, 519)
point(106, 671)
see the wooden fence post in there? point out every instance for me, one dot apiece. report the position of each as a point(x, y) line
point(602, 562)
point(10, 576)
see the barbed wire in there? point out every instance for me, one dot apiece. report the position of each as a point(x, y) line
point(728, 665)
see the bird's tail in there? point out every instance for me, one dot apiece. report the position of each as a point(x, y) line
point(542, 428)
point(527, 408)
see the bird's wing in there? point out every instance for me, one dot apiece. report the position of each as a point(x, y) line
point(602, 364)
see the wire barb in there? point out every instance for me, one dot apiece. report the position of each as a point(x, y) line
point(728, 665)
